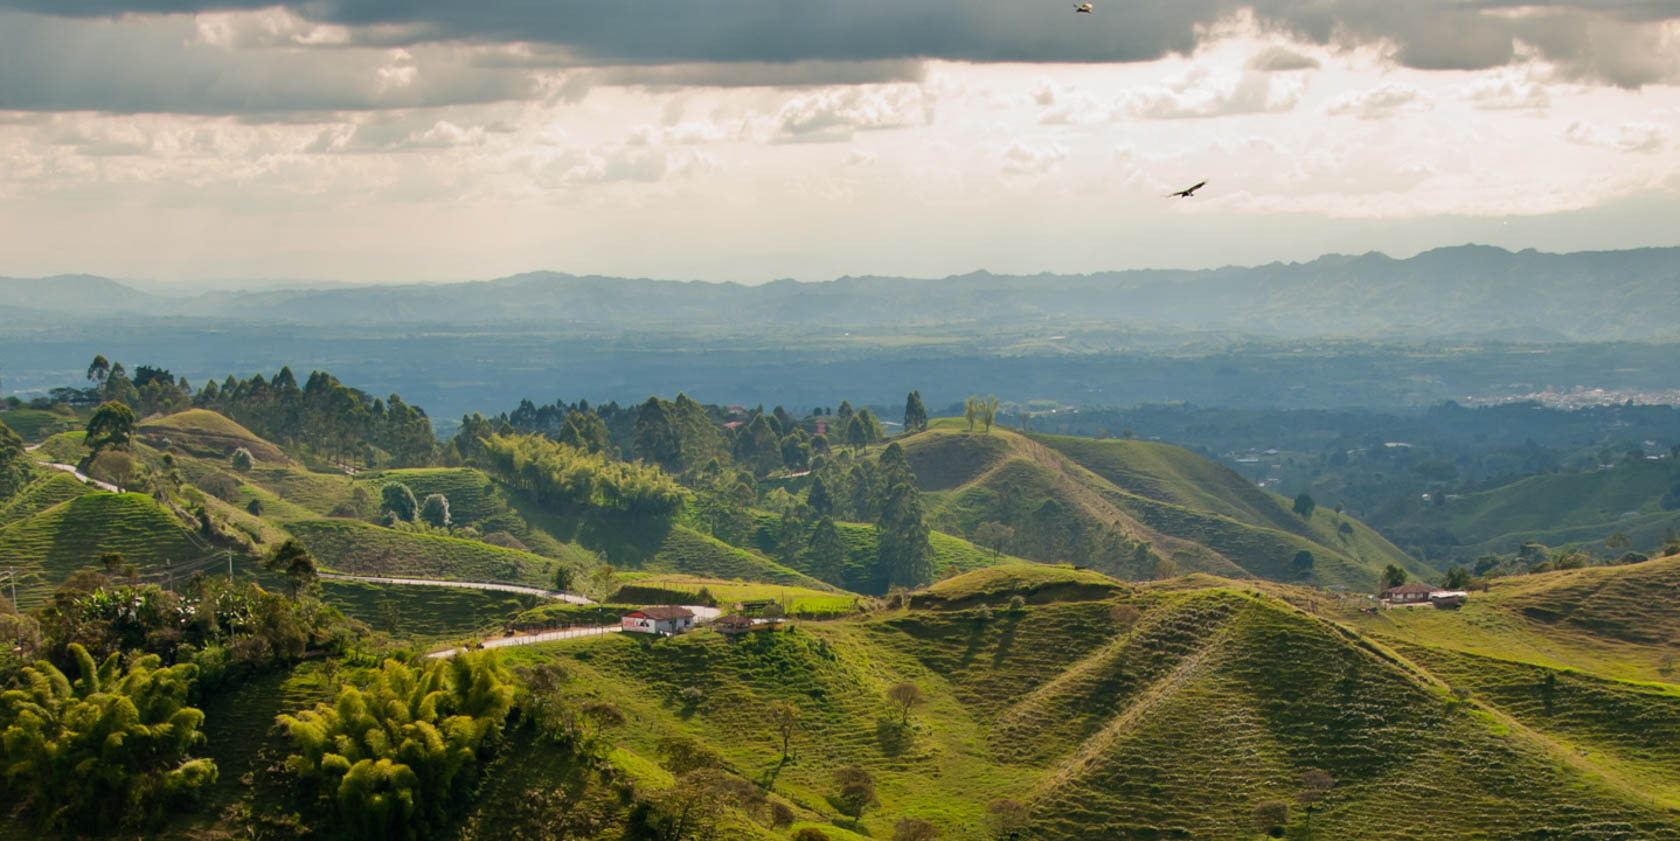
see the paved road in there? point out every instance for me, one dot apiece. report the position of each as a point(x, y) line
point(86, 479)
point(464, 585)
point(704, 614)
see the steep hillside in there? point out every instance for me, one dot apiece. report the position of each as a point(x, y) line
point(1555, 509)
point(1063, 497)
point(41, 494)
point(33, 425)
point(203, 433)
point(422, 612)
point(1130, 712)
point(358, 548)
point(48, 546)
point(1616, 621)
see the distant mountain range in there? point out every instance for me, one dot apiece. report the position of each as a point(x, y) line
point(1461, 291)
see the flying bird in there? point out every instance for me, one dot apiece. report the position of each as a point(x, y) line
point(1083, 8)
point(1188, 192)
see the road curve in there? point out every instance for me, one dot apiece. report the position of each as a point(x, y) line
point(86, 479)
point(463, 585)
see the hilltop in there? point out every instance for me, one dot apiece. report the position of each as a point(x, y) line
point(1063, 496)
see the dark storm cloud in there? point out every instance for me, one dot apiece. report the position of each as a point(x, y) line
point(751, 42)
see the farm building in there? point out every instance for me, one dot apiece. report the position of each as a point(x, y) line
point(732, 624)
point(1407, 593)
point(664, 620)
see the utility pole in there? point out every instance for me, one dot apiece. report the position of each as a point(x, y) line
point(230, 566)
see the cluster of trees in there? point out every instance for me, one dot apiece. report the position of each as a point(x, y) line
point(395, 758)
point(325, 416)
point(15, 467)
point(110, 746)
point(568, 479)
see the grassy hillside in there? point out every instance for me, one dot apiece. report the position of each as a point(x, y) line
point(63, 447)
point(33, 425)
point(689, 552)
point(358, 548)
point(1170, 718)
point(1200, 515)
point(1616, 621)
point(426, 612)
point(206, 434)
point(48, 546)
point(41, 494)
point(473, 496)
point(795, 599)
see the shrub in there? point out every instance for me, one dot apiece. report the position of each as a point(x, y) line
point(114, 466)
point(220, 485)
point(809, 833)
point(241, 460)
point(399, 501)
point(1017, 603)
point(435, 511)
point(914, 829)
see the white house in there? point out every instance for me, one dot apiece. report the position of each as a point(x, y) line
point(664, 620)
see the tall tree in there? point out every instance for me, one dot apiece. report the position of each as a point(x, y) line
point(825, 552)
point(110, 428)
point(1304, 505)
point(293, 562)
point(434, 510)
point(906, 555)
point(587, 432)
point(915, 414)
point(15, 470)
point(99, 369)
point(988, 411)
point(656, 439)
point(396, 498)
point(1392, 576)
point(971, 410)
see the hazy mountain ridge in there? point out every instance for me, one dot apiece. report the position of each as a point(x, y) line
point(1460, 291)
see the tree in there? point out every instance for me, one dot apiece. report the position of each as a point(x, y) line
point(971, 410)
point(818, 497)
point(988, 411)
point(564, 578)
point(1270, 817)
point(993, 535)
point(241, 460)
point(1315, 784)
point(1304, 505)
point(856, 791)
point(1619, 540)
point(914, 829)
point(809, 833)
point(396, 498)
point(784, 718)
point(99, 369)
point(1007, 819)
point(857, 433)
point(904, 696)
point(1302, 562)
point(15, 469)
point(825, 553)
point(915, 414)
point(1392, 576)
point(906, 555)
point(292, 561)
point(434, 511)
point(684, 753)
point(110, 428)
point(1457, 578)
point(586, 431)
point(108, 749)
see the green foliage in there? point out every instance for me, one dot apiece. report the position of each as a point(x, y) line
point(365, 549)
point(1303, 505)
point(241, 460)
point(110, 428)
point(565, 479)
point(15, 469)
point(434, 511)
point(915, 414)
point(1457, 578)
point(51, 545)
point(1392, 576)
point(398, 499)
point(292, 561)
point(395, 758)
point(107, 747)
point(906, 554)
point(325, 416)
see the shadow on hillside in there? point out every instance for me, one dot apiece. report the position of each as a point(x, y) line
point(893, 735)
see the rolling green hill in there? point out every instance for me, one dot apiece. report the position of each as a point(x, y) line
point(41, 494)
point(203, 433)
point(1615, 621)
point(1555, 509)
point(33, 425)
point(424, 612)
point(1062, 491)
point(357, 548)
point(472, 495)
point(48, 546)
point(1170, 718)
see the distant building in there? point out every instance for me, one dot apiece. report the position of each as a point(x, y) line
point(1449, 598)
point(665, 620)
point(1408, 593)
point(733, 624)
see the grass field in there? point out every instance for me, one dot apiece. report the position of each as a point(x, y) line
point(1616, 621)
point(424, 612)
point(206, 434)
point(48, 546)
point(793, 598)
point(1171, 725)
point(358, 548)
point(63, 447)
point(34, 425)
point(43, 493)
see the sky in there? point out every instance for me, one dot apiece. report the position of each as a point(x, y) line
point(242, 144)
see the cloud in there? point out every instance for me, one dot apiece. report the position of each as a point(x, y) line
point(1205, 92)
point(1643, 138)
point(1023, 158)
point(835, 114)
point(1507, 92)
point(1275, 59)
point(245, 56)
point(613, 164)
point(1378, 103)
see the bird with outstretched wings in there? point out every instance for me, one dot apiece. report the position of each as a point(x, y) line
point(1188, 191)
point(1083, 8)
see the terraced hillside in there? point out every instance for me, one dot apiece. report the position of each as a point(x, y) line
point(1555, 509)
point(203, 433)
point(48, 546)
point(358, 548)
point(41, 494)
point(1125, 711)
point(1059, 492)
point(1614, 621)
